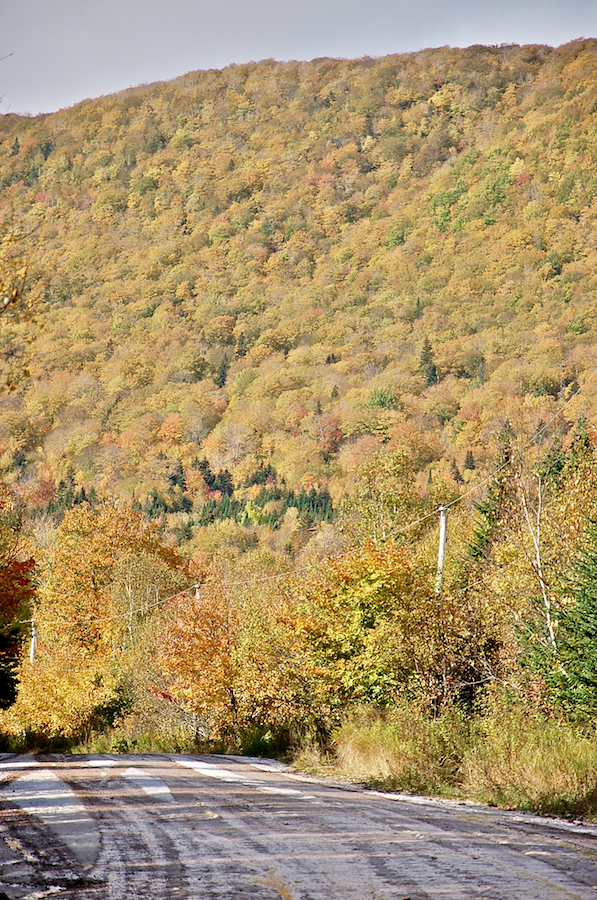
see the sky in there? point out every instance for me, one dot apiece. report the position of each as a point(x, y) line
point(59, 52)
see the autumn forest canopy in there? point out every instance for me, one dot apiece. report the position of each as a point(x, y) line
point(279, 313)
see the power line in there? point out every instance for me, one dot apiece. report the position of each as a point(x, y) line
point(289, 575)
point(112, 617)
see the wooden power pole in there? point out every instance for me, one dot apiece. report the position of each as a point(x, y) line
point(441, 553)
point(33, 642)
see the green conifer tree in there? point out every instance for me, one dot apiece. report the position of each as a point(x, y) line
point(495, 506)
point(573, 675)
point(427, 366)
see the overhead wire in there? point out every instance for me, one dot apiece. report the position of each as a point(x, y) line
point(112, 616)
point(289, 575)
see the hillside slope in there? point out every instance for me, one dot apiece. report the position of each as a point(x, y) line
point(276, 269)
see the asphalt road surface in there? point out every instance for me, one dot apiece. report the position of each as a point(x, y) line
point(171, 827)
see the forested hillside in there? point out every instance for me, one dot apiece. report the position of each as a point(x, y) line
point(282, 311)
point(287, 265)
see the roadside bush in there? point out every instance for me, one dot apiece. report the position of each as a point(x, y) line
point(510, 756)
point(403, 749)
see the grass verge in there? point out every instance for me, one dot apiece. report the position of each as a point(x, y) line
point(509, 757)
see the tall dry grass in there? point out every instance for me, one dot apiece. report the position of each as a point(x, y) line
point(526, 761)
point(402, 749)
point(509, 757)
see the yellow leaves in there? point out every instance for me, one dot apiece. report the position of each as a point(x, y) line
point(106, 573)
point(401, 95)
point(519, 239)
point(196, 651)
point(322, 207)
point(227, 444)
point(373, 421)
point(219, 330)
point(517, 168)
point(172, 429)
point(68, 442)
point(13, 273)
point(60, 693)
point(12, 283)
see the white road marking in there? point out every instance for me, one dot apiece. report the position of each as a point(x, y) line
point(213, 771)
point(273, 766)
point(6, 768)
point(285, 792)
point(149, 784)
point(100, 762)
point(44, 795)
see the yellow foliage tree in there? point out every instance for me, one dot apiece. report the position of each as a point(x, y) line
point(105, 574)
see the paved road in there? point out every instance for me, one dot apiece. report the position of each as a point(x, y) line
point(205, 827)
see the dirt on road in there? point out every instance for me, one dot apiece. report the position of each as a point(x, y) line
point(200, 828)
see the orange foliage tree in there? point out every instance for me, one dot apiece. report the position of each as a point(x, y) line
point(361, 628)
point(226, 654)
point(17, 587)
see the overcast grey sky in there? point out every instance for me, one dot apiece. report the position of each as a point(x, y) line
point(64, 51)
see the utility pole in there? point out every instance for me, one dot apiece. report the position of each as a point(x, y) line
point(33, 642)
point(441, 553)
